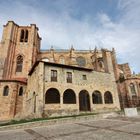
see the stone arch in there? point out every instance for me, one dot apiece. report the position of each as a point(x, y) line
point(26, 35)
point(69, 97)
point(108, 97)
point(84, 101)
point(6, 91)
point(52, 96)
point(97, 97)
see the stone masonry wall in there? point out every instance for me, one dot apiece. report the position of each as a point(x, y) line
point(33, 99)
point(12, 104)
point(95, 81)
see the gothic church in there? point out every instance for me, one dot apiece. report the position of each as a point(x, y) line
point(36, 83)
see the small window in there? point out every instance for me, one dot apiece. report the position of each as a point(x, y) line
point(21, 91)
point(69, 77)
point(6, 91)
point(84, 77)
point(54, 75)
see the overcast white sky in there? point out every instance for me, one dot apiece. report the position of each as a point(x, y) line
point(81, 23)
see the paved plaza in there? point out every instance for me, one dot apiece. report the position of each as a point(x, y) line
point(103, 129)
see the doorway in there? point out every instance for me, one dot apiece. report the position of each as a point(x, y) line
point(84, 101)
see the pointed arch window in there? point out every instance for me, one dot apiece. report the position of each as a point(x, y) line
point(6, 91)
point(19, 63)
point(24, 36)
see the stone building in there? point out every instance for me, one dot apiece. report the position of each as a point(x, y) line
point(18, 52)
point(35, 83)
point(128, 86)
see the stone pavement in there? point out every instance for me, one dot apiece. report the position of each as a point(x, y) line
point(119, 128)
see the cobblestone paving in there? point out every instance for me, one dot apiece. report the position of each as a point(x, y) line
point(104, 129)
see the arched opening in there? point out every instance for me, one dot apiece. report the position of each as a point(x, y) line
point(21, 91)
point(19, 63)
point(26, 36)
point(97, 97)
point(84, 101)
point(108, 97)
point(52, 96)
point(69, 97)
point(6, 91)
point(22, 36)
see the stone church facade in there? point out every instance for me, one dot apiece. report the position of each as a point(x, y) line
point(36, 83)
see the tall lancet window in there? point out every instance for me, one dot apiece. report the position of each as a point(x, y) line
point(22, 34)
point(19, 64)
point(26, 36)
